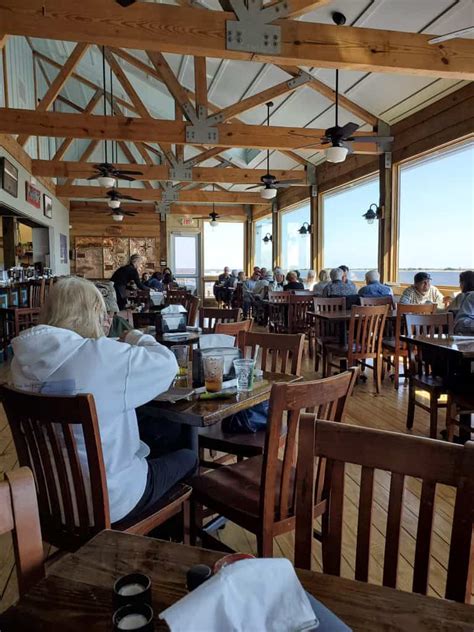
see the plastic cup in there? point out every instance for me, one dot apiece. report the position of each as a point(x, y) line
point(213, 367)
point(181, 353)
point(244, 374)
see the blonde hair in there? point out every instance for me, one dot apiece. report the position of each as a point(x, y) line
point(76, 304)
point(323, 276)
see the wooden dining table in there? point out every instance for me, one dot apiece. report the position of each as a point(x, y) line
point(76, 595)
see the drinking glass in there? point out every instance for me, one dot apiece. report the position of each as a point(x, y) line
point(244, 374)
point(213, 373)
point(182, 356)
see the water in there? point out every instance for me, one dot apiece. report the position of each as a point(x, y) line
point(439, 277)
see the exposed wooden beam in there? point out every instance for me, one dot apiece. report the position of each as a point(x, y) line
point(67, 142)
point(147, 208)
point(20, 155)
point(166, 28)
point(178, 149)
point(86, 82)
point(200, 81)
point(204, 155)
point(58, 83)
point(131, 159)
point(62, 125)
point(296, 157)
point(330, 94)
point(3, 41)
point(86, 154)
point(226, 197)
point(300, 7)
point(228, 175)
point(167, 76)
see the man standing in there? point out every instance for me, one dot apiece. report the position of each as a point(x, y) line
point(124, 275)
point(373, 286)
point(422, 292)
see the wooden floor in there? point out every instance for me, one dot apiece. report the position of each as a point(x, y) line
point(386, 411)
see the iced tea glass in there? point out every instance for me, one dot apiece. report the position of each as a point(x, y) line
point(181, 353)
point(244, 374)
point(213, 373)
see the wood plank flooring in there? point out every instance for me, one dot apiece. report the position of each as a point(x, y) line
point(386, 411)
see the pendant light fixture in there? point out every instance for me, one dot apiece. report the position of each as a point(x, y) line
point(105, 181)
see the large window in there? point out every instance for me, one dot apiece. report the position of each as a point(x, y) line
point(295, 248)
point(436, 200)
point(263, 250)
point(347, 238)
point(223, 246)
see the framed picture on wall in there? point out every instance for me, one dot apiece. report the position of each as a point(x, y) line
point(8, 177)
point(63, 256)
point(47, 206)
point(32, 195)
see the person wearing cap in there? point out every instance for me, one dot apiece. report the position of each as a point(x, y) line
point(422, 292)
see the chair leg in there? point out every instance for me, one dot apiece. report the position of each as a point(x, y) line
point(187, 522)
point(196, 517)
point(265, 545)
point(405, 369)
point(433, 416)
point(378, 374)
point(396, 371)
point(450, 415)
point(411, 405)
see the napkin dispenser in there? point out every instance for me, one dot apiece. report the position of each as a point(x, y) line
point(229, 354)
point(169, 323)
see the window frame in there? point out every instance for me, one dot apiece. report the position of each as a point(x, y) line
point(289, 209)
point(254, 237)
point(396, 182)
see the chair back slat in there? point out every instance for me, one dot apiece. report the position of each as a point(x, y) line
point(364, 524)
point(372, 301)
point(233, 329)
point(429, 324)
point(279, 297)
point(210, 316)
point(293, 399)
point(400, 322)
point(280, 353)
point(298, 307)
point(394, 525)
point(434, 462)
point(365, 332)
point(424, 537)
point(326, 329)
point(19, 515)
point(278, 306)
point(72, 494)
point(192, 306)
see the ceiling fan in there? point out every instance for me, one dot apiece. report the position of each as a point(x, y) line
point(339, 137)
point(106, 174)
point(269, 181)
point(212, 215)
point(453, 35)
point(115, 198)
point(119, 214)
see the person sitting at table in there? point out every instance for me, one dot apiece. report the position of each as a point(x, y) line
point(346, 279)
point(422, 292)
point(278, 282)
point(124, 275)
point(373, 286)
point(336, 287)
point(310, 280)
point(168, 278)
point(463, 305)
point(318, 288)
point(68, 353)
point(222, 287)
point(292, 282)
point(155, 282)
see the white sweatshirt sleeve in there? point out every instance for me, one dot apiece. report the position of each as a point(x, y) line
point(151, 369)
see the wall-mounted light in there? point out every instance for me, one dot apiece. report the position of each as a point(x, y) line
point(305, 229)
point(268, 237)
point(374, 212)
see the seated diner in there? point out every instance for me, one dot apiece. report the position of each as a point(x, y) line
point(422, 292)
point(373, 286)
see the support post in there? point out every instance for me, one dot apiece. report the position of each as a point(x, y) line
point(275, 235)
point(386, 248)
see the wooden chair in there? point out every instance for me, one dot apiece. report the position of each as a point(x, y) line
point(19, 515)
point(177, 297)
point(364, 342)
point(278, 305)
point(371, 301)
point(233, 329)
point(279, 353)
point(298, 323)
point(393, 348)
point(422, 375)
point(214, 315)
point(434, 462)
point(459, 404)
point(192, 307)
point(324, 332)
point(259, 493)
point(73, 504)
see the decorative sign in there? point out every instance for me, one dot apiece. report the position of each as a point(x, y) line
point(32, 195)
point(187, 221)
point(47, 206)
point(8, 177)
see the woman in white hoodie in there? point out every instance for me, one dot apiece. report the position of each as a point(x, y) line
point(68, 354)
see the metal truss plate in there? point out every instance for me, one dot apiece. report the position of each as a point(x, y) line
point(181, 173)
point(300, 79)
point(170, 193)
point(253, 37)
point(201, 133)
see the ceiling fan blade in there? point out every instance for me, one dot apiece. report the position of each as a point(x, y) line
point(348, 129)
point(93, 177)
point(255, 186)
point(452, 35)
point(120, 176)
point(128, 197)
point(370, 139)
point(289, 182)
point(128, 213)
point(120, 172)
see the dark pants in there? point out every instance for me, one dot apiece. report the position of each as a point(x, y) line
point(168, 462)
point(121, 292)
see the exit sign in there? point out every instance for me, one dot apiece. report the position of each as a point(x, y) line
point(187, 221)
